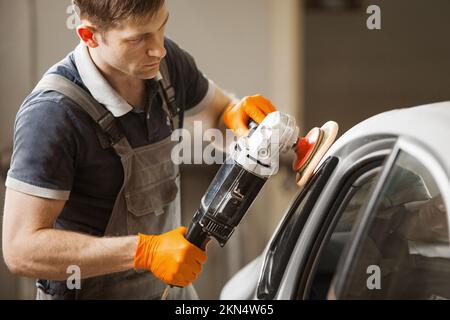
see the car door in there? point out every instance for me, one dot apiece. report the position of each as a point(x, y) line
point(336, 231)
point(387, 226)
point(400, 248)
point(296, 238)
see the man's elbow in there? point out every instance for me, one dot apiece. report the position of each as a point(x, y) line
point(15, 259)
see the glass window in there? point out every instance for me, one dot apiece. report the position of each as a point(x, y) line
point(282, 245)
point(354, 198)
point(404, 251)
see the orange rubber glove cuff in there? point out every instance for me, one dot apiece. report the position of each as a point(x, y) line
point(237, 115)
point(144, 251)
point(170, 257)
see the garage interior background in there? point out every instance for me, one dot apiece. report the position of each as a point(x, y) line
point(314, 59)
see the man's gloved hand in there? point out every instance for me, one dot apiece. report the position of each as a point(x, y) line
point(170, 257)
point(237, 116)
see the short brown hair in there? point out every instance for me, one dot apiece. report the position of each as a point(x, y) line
point(107, 13)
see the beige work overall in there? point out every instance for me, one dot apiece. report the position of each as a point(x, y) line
point(148, 202)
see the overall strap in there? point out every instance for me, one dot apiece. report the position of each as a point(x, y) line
point(168, 93)
point(102, 116)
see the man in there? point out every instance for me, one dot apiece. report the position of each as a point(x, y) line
point(91, 182)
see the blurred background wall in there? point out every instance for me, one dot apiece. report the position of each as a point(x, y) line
point(352, 73)
point(314, 59)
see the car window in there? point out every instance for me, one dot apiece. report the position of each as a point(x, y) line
point(355, 196)
point(283, 243)
point(404, 252)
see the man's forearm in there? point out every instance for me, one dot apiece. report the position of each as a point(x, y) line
point(49, 252)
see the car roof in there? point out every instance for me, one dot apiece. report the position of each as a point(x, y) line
point(428, 125)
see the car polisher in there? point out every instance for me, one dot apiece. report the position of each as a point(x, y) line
point(252, 161)
point(311, 149)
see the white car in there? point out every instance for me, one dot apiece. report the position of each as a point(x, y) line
point(371, 224)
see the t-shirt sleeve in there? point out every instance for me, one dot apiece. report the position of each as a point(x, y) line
point(44, 152)
point(193, 89)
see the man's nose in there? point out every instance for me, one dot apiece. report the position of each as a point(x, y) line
point(157, 51)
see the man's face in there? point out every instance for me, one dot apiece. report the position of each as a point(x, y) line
point(135, 48)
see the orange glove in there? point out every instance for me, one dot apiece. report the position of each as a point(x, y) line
point(237, 116)
point(170, 257)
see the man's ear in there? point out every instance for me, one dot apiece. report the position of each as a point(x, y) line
point(86, 34)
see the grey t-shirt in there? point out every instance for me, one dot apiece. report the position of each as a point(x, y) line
point(57, 153)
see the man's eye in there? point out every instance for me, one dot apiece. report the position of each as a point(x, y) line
point(135, 40)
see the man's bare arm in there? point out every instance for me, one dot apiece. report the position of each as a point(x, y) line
point(32, 248)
